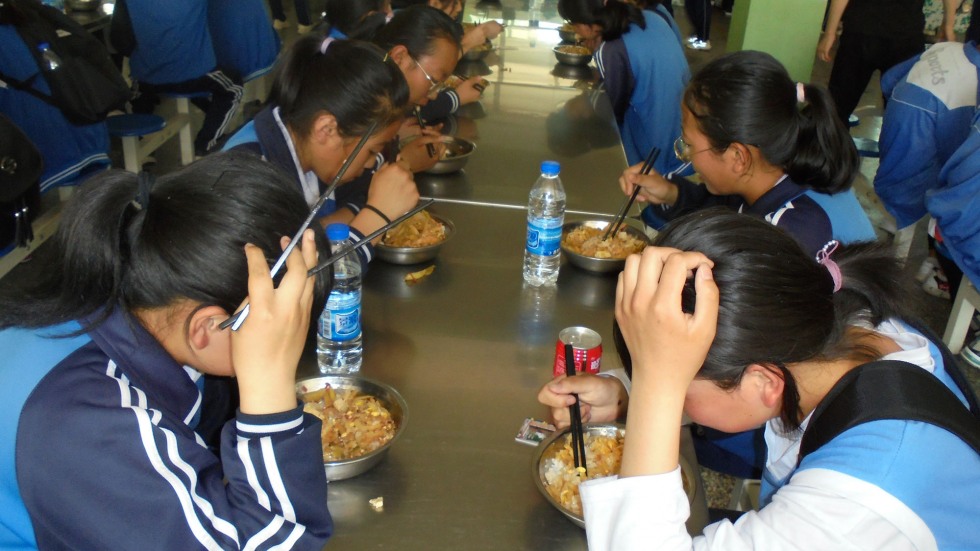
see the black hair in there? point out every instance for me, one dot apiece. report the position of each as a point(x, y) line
point(777, 303)
point(358, 19)
point(748, 97)
point(613, 16)
point(186, 241)
point(417, 28)
point(354, 81)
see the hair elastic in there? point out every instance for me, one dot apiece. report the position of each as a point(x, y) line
point(800, 92)
point(325, 44)
point(823, 257)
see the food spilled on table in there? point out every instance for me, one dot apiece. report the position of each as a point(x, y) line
point(354, 423)
point(421, 230)
point(588, 241)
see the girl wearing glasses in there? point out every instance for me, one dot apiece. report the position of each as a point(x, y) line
point(643, 70)
point(117, 432)
point(765, 146)
point(325, 95)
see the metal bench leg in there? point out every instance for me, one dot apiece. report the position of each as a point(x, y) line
point(186, 139)
point(966, 303)
point(131, 157)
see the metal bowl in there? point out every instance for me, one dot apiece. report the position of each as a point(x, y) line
point(567, 35)
point(591, 263)
point(570, 58)
point(388, 396)
point(414, 255)
point(459, 150)
point(547, 450)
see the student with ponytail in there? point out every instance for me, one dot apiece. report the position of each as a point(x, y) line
point(326, 94)
point(763, 145)
point(105, 358)
point(643, 70)
point(729, 321)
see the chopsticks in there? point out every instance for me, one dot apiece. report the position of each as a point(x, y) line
point(236, 320)
point(621, 215)
point(367, 238)
point(575, 412)
point(418, 116)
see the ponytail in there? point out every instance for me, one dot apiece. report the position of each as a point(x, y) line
point(748, 97)
point(613, 16)
point(183, 240)
point(352, 80)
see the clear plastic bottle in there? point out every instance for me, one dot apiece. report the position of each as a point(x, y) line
point(545, 215)
point(339, 345)
point(51, 59)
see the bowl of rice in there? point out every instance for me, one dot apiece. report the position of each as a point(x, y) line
point(361, 419)
point(415, 240)
point(582, 244)
point(571, 54)
point(556, 477)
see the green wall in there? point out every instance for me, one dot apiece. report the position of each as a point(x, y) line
point(787, 29)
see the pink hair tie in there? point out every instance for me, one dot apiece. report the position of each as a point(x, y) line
point(325, 44)
point(823, 257)
point(800, 92)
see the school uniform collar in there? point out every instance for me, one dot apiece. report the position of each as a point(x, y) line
point(141, 358)
point(782, 192)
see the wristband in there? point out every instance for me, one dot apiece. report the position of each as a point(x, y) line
point(378, 212)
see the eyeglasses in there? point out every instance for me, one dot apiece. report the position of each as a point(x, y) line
point(435, 86)
point(683, 150)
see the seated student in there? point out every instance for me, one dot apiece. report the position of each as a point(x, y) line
point(174, 54)
point(70, 152)
point(707, 339)
point(473, 35)
point(358, 19)
point(927, 121)
point(105, 353)
point(763, 145)
point(325, 95)
point(643, 70)
point(245, 44)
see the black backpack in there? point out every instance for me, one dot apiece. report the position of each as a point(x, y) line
point(86, 85)
point(20, 188)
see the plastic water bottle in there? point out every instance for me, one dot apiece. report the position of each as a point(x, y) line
point(338, 341)
point(545, 215)
point(51, 59)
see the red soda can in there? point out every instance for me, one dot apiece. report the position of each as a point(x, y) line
point(586, 348)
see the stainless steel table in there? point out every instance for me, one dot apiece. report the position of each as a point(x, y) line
point(470, 345)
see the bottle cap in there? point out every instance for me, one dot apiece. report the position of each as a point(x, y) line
point(338, 232)
point(550, 168)
point(43, 45)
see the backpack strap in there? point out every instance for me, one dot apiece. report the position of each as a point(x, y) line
point(888, 389)
point(949, 364)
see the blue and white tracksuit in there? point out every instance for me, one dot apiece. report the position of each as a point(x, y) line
point(100, 452)
point(811, 218)
point(931, 100)
point(955, 204)
point(266, 135)
point(888, 484)
point(644, 73)
point(245, 44)
point(173, 42)
point(69, 151)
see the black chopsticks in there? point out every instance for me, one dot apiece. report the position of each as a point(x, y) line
point(236, 320)
point(575, 412)
point(418, 116)
point(621, 215)
point(367, 238)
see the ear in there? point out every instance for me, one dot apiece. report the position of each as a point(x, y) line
point(740, 156)
point(767, 383)
point(209, 344)
point(401, 57)
point(324, 128)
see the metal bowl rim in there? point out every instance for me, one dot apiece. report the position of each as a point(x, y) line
point(450, 232)
point(580, 259)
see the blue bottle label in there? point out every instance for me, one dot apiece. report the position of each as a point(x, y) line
point(543, 235)
point(344, 318)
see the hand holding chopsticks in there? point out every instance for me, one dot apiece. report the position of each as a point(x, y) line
point(621, 215)
point(575, 412)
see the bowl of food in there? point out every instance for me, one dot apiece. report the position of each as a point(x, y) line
point(554, 473)
point(478, 52)
point(570, 54)
point(583, 245)
point(415, 240)
point(455, 157)
point(567, 33)
point(361, 419)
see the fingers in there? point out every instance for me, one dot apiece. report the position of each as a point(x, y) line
point(706, 303)
point(295, 281)
point(675, 268)
point(259, 280)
